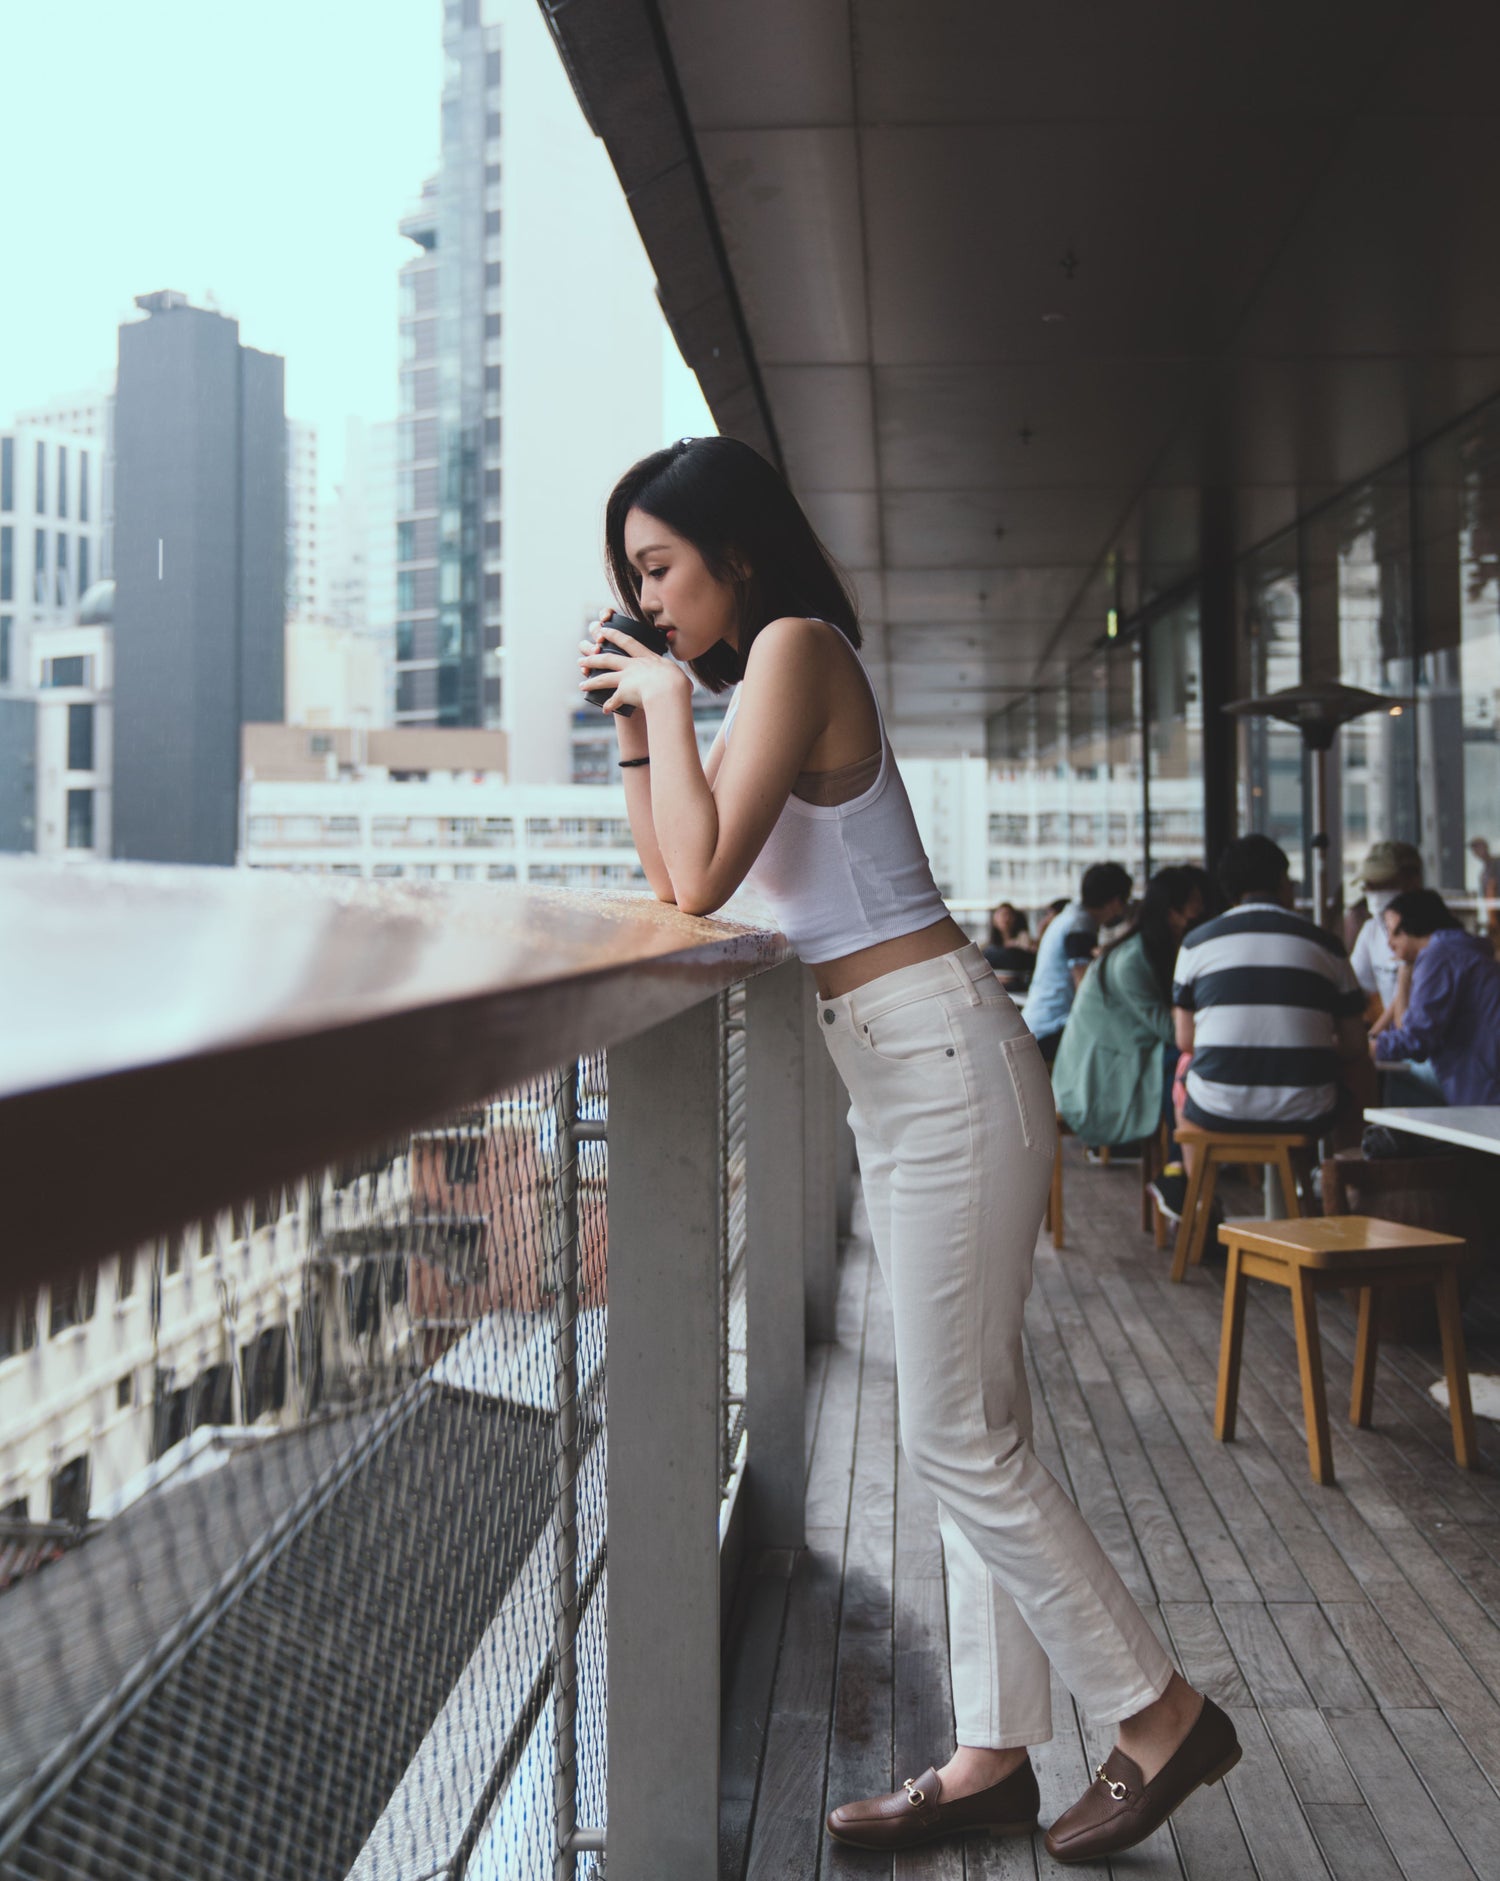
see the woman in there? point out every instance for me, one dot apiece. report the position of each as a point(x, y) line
point(1111, 1076)
point(952, 1112)
point(1009, 949)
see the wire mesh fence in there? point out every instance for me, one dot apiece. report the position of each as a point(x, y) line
point(300, 1510)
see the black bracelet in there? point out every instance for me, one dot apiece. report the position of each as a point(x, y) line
point(630, 764)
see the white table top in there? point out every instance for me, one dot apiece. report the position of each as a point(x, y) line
point(1471, 1126)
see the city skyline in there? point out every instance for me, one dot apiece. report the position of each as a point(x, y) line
point(258, 211)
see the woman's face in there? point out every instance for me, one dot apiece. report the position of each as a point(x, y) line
point(1179, 920)
point(678, 592)
point(1404, 946)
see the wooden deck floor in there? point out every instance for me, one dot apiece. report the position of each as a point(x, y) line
point(1353, 1633)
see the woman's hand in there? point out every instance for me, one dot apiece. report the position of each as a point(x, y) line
point(626, 672)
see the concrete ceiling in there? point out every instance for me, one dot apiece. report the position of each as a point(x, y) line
point(1012, 288)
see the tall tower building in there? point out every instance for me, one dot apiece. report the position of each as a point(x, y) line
point(304, 559)
point(200, 567)
point(448, 456)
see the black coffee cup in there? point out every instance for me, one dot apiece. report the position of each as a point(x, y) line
point(653, 638)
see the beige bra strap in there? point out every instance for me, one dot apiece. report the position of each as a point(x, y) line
point(830, 788)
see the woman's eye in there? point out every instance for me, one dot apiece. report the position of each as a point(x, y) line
point(656, 573)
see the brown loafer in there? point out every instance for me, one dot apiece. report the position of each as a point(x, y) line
point(917, 1813)
point(1118, 1810)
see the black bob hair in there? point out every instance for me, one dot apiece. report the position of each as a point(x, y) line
point(1422, 911)
point(738, 513)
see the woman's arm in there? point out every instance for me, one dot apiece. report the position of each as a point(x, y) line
point(632, 742)
point(709, 834)
point(637, 780)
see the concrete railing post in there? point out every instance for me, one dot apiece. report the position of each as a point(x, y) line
point(664, 1315)
point(775, 1312)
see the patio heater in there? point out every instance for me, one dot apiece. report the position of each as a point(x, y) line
point(1317, 710)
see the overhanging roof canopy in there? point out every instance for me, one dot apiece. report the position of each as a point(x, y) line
point(1020, 293)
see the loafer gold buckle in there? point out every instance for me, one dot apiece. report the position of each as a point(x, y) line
point(1117, 1790)
point(914, 1796)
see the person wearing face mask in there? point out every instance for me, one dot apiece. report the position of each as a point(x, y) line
point(1391, 869)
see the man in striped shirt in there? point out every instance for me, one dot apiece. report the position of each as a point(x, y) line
point(1268, 1005)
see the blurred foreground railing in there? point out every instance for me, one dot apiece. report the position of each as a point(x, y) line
point(402, 1305)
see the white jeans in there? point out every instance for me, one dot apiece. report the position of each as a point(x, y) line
point(952, 1113)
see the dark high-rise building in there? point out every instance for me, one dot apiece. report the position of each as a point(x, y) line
point(200, 568)
point(448, 463)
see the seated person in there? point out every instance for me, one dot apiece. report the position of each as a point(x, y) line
point(1452, 1016)
point(1268, 1005)
point(1010, 949)
point(1067, 946)
point(1108, 1077)
point(1390, 869)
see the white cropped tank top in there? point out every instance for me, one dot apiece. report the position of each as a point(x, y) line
point(843, 876)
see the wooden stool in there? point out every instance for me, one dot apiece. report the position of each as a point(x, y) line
point(1054, 1215)
point(1215, 1148)
point(1342, 1251)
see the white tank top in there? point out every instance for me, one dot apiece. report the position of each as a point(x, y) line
point(839, 877)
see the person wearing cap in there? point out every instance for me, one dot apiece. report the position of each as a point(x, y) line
point(1391, 869)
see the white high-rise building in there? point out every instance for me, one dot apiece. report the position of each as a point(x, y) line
point(51, 530)
point(304, 583)
point(581, 366)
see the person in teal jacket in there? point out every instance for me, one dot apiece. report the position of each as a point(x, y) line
point(1117, 1048)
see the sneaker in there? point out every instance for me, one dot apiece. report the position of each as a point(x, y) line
point(1169, 1191)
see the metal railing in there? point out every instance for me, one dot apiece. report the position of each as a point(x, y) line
point(370, 1572)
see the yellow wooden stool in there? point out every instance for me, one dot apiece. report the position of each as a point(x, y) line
point(1213, 1149)
point(1307, 1257)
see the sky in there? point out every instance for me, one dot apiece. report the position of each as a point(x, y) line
point(256, 158)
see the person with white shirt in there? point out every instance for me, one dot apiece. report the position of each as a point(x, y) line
point(1391, 869)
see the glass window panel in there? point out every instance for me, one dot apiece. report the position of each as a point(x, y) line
point(7, 563)
point(80, 819)
point(1174, 745)
point(62, 479)
point(1270, 659)
point(80, 737)
point(7, 473)
point(83, 486)
point(41, 479)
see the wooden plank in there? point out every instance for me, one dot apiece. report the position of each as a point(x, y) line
point(786, 1832)
point(1319, 1657)
point(1467, 1801)
point(1274, 1680)
point(1311, 1757)
point(860, 1746)
point(1352, 1844)
point(1206, 1658)
point(1267, 1805)
point(1274, 1552)
point(1408, 1818)
point(923, 1713)
point(1163, 1548)
point(1380, 1662)
point(1093, 1487)
point(749, 1674)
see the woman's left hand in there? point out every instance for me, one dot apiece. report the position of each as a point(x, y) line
point(626, 672)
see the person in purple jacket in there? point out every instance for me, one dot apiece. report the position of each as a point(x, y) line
point(1453, 1013)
